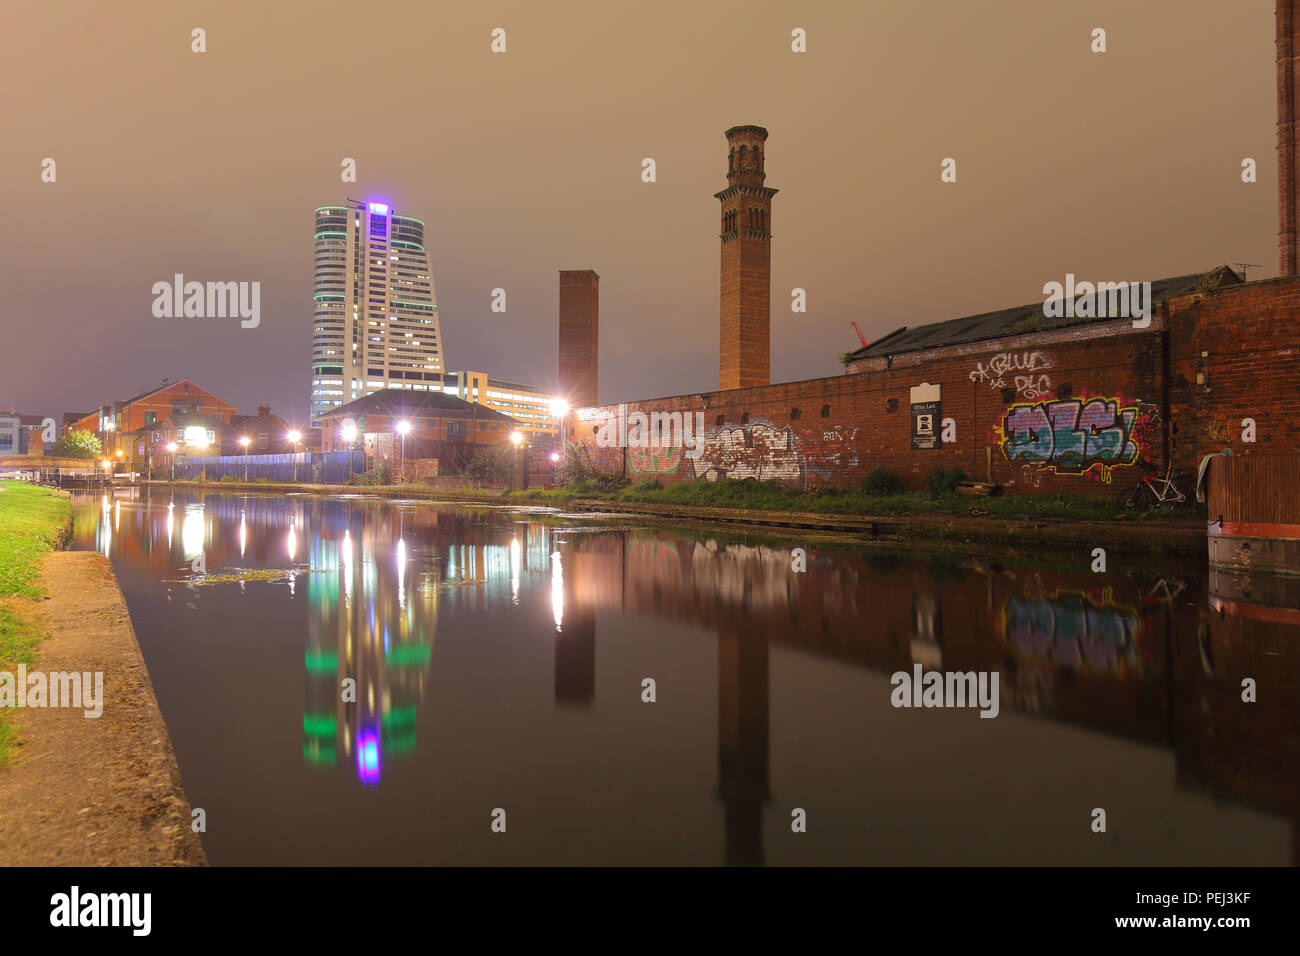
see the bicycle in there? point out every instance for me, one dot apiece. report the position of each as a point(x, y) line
point(1153, 492)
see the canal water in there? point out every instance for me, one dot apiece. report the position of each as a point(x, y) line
point(358, 681)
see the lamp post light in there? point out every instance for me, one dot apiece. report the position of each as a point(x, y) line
point(403, 429)
point(349, 435)
point(559, 408)
point(516, 439)
point(245, 441)
point(171, 449)
point(295, 436)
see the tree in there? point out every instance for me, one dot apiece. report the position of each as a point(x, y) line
point(78, 444)
point(487, 464)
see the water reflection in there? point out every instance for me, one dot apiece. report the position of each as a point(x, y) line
point(1146, 666)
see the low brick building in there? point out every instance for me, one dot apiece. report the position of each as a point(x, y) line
point(443, 428)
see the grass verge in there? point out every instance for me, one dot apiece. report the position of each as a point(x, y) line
point(769, 496)
point(33, 521)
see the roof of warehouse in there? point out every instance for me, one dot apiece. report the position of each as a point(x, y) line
point(1025, 318)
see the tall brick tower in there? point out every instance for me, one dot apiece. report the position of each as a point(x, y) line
point(746, 300)
point(579, 336)
point(1288, 203)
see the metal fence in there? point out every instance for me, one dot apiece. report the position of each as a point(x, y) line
point(316, 467)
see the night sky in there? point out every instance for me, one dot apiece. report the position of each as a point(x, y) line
point(1117, 166)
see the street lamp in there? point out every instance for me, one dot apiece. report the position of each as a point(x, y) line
point(245, 441)
point(403, 429)
point(516, 439)
point(295, 436)
point(171, 448)
point(559, 408)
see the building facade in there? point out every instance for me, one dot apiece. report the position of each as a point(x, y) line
point(1047, 397)
point(375, 314)
point(394, 425)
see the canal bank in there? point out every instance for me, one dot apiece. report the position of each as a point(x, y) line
point(1161, 536)
point(79, 790)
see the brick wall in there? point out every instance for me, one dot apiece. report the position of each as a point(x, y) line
point(1084, 410)
point(1244, 342)
point(834, 431)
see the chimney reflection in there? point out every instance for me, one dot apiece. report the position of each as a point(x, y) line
point(743, 741)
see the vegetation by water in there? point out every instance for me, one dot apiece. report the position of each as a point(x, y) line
point(881, 493)
point(751, 494)
point(32, 522)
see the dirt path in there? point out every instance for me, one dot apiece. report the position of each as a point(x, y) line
point(100, 791)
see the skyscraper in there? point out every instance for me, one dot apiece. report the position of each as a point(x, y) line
point(375, 322)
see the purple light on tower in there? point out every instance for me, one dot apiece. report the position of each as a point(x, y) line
point(368, 757)
point(379, 220)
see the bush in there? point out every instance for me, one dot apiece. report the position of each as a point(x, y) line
point(489, 464)
point(579, 473)
point(943, 481)
point(381, 474)
point(229, 479)
point(881, 483)
point(77, 444)
point(647, 484)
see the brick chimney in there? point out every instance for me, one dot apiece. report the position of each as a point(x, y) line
point(263, 409)
point(745, 306)
point(1288, 213)
point(579, 336)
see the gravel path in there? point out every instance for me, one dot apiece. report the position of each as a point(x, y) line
point(94, 792)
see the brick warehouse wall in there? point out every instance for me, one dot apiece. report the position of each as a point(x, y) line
point(1078, 410)
point(1244, 342)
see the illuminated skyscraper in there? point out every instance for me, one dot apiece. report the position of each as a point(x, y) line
point(375, 321)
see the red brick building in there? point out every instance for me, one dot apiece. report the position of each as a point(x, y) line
point(1068, 394)
point(442, 428)
point(111, 422)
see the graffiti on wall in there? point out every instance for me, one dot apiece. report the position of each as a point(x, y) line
point(1020, 371)
point(1072, 437)
point(755, 450)
point(834, 453)
point(655, 461)
point(1077, 629)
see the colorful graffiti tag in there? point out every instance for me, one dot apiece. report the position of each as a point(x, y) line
point(655, 461)
point(1071, 437)
point(1074, 629)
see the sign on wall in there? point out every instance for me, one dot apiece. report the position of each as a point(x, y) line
point(925, 416)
